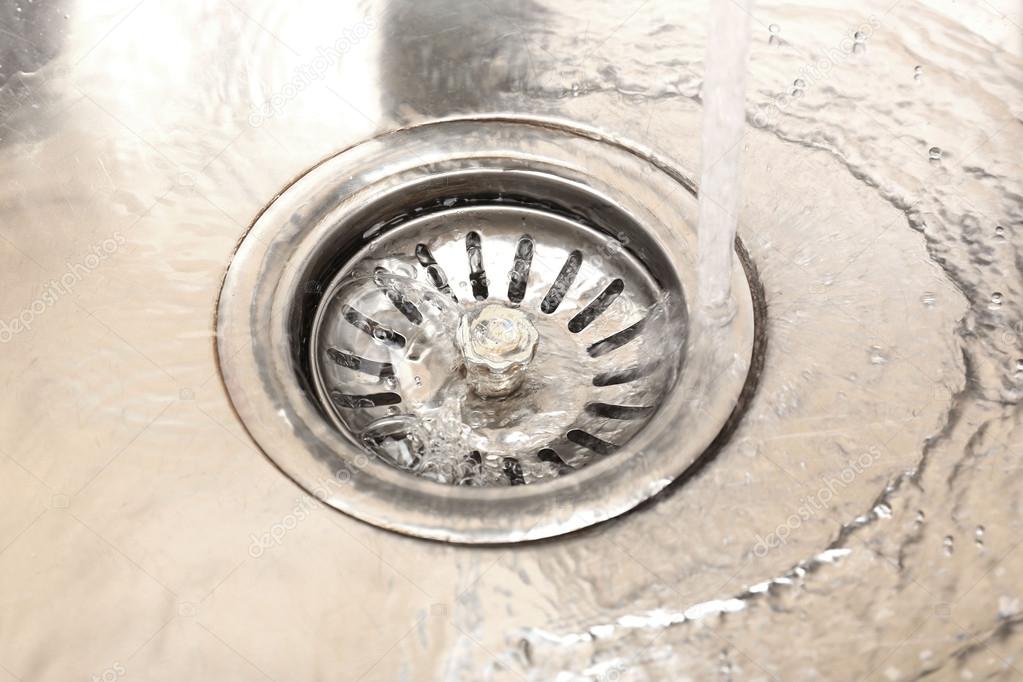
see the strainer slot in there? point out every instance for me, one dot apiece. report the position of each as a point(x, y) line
point(562, 283)
point(399, 301)
point(519, 275)
point(368, 325)
point(353, 401)
point(434, 271)
point(591, 442)
point(616, 377)
point(351, 361)
point(597, 306)
point(608, 411)
point(616, 340)
point(477, 273)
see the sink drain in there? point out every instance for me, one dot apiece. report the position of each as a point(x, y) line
point(480, 331)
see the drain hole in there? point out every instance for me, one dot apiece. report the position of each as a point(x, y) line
point(390, 438)
point(618, 411)
point(434, 271)
point(551, 456)
point(624, 376)
point(351, 401)
point(562, 283)
point(359, 364)
point(591, 442)
point(519, 275)
point(470, 469)
point(372, 327)
point(477, 275)
point(513, 471)
point(596, 306)
point(398, 300)
point(616, 340)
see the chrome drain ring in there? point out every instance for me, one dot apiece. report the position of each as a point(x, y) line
point(300, 246)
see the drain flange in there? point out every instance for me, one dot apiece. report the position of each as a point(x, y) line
point(500, 306)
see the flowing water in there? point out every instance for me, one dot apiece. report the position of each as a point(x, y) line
point(863, 521)
point(724, 119)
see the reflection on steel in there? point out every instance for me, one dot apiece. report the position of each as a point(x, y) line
point(860, 521)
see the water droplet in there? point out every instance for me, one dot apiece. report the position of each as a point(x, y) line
point(774, 28)
point(918, 73)
point(799, 83)
point(996, 300)
point(920, 516)
point(978, 536)
point(859, 36)
point(999, 232)
point(877, 355)
point(934, 153)
point(419, 381)
point(949, 545)
point(929, 299)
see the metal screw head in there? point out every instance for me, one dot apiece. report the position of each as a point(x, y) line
point(497, 344)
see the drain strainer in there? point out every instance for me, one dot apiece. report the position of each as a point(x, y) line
point(480, 331)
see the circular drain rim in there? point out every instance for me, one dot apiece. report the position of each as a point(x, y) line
point(266, 281)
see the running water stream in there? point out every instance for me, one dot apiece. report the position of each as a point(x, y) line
point(724, 115)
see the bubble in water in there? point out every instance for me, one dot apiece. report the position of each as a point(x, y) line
point(999, 232)
point(404, 270)
point(859, 36)
point(949, 545)
point(918, 73)
point(418, 381)
point(775, 29)
point(996, 300)
point(934, 153)
point(799, 83)
point(978, 536)
point(1019, 366)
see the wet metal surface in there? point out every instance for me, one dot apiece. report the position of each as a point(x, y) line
point(862, 522)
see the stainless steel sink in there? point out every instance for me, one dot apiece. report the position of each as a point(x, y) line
point(858, 518)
